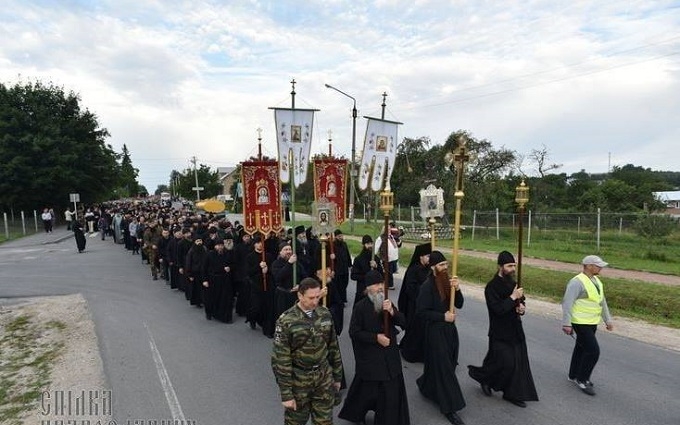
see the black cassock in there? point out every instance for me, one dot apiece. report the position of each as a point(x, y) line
point(506, 365)
point(378, 382)
point(79, 235)
point(261, 305)
point(412, 342)
point(438, 381)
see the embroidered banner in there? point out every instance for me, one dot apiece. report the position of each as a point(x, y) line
point(261, 196)
point(294, 140)
point(330, 183)
point(380, 152)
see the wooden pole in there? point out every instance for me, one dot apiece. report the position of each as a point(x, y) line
point(324, 277)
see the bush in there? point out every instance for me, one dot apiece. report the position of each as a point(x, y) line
point(655, 226)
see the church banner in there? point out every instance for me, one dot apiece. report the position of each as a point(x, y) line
point(380, 153)
point(261, 196)
point(330, 184)
point(294, 141)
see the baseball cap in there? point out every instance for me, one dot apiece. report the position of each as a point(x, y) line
point(594, 259)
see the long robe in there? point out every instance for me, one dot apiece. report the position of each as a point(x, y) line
point(79, 235)
point(506, 365)
point(378, 382)
point(261, 306)
point(412, 342)
point(438, 381)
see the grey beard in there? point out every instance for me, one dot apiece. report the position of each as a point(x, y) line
point(377, 300)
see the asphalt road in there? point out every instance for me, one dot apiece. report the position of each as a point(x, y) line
point(163, 360)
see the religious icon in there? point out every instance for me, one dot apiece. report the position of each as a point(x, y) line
point(330, 189)
point(381, 144)
point(323, 218)
point(432, 202)
point(262, 195)
point(295, 133)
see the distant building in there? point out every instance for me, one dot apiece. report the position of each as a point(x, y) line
point(227, 177)
point(672, 201)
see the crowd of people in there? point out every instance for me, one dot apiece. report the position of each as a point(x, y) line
point(275, 283)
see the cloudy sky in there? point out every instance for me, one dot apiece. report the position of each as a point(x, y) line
point(596, 82)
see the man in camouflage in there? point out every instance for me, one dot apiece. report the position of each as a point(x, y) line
point(306, 358)
point(151, 238)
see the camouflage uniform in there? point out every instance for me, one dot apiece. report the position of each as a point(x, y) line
point(306, 362)
point(151, 237)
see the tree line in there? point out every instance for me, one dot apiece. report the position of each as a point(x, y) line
point(51, 146)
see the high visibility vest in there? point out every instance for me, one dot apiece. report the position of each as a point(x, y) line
point(588, 311)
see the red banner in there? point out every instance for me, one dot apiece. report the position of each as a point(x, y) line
point(330, 182)
point(261, 196)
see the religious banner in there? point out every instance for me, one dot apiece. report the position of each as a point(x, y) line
point(294, 141)
point(380, 152)
point(330, 183)
point(261, 196)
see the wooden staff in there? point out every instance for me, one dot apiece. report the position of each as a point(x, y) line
point(459, 159)
point(324, 277)
point(264, 258)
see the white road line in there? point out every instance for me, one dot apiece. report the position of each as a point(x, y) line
point(170, 395)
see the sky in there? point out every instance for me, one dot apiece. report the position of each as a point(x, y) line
point(597, 83)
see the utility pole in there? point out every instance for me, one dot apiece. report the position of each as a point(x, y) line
point(197, 188)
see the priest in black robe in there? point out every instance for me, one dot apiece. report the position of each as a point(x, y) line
point(378, 383)
point(438, 381)
point(79, 235)
point(261, 288)
point(411, 343)
point(506, 365)
point(363, 263)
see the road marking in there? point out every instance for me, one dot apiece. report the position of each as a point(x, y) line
point(168, 389)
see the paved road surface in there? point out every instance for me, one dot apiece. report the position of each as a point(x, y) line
point(163, 360)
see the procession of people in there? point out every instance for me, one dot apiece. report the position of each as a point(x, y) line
point(263, 281)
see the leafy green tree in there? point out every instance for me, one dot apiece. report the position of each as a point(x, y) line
point(655, 226)
point(50, 147)
point(161, 188)
point(208, 179)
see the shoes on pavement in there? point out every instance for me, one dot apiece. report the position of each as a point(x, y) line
point(454, 418)
point(486, 389)
point(588, 389)
point(253, 326)
point(518, 403)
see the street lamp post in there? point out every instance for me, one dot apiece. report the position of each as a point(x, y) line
point(352, 172)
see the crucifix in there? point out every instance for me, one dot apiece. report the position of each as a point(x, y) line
point(459, 158)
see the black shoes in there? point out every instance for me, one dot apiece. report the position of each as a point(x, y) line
point(518, 403)
point(454, 418)
point(253, 325)
point(486, 389)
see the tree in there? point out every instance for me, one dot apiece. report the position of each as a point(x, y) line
point(161, 188)
point(541, 159)
point(208, 179)
point(128, 176)
point(50, 147)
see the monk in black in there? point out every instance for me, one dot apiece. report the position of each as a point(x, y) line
point(194, 268)
point(261, 288)
point(438, 381)
point(506, 365)
point(363, 263)
point(378, 382)
point(412, 342)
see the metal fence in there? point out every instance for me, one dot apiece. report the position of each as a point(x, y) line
point(481, 225)
point(21, 223)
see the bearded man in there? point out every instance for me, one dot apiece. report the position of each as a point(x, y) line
point(438, 381)
point(506, 365)
point(378, 382)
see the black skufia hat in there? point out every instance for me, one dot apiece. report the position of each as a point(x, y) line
point(436, 257)
point(299, 230)
point(505, 257)
point(366, 239)
point(373, 277)
point(422, 249)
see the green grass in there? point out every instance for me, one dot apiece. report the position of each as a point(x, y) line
point(25, 365)
point(653, 303)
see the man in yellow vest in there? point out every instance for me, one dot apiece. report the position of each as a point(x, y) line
point(583, 307)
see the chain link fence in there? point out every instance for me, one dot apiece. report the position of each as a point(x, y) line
point(21, 223)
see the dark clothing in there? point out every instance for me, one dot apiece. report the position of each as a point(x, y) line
point(282, 272)
point(218, 297)
point(163, 256)
point(341, 264)
point(378, 382)
point(79, 235)
point(193, 269)
point(438, 381)
point(240, 277)
point(183, 247)
point(412, 342)
point(586, 352)
point(261, 289)
point(361, 266)
point(506, 365)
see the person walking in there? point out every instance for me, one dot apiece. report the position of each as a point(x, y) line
point(441, 345)
point(506, 365)
point(47, 220)
point(68, 216)
point(584, 306)
point(306, 359)
point(378, 382)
